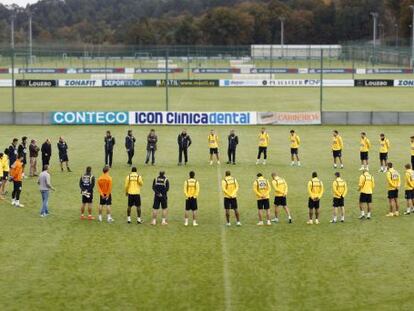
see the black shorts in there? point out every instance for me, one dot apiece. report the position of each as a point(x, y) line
point(363, 156)
point(160, 202)
point(280, 201)
point(365, 198)
point(86, 200)
point(338, 202)
point(313, 204)
point(393, 194)
point(191, 204)
point(383, 156)
point(105, 201)
point(63, 158)
point(263, 204)
point(134, 200)
point(230, 203)
point(294, 151)
point(213, 150)
point(17, 185)
point(409, 194)
point(5, 175)
point(337, 153)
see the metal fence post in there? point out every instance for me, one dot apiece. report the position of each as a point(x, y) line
point(166, 81)
point(321, 85)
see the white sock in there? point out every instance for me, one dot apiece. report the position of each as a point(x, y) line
point(186, 221)
point(334, 218)
point(139, 219)
point(163, 220)
point(299, 163)
point(369, 214)
point(362, 213)
point(17, 202)
point(129, 218)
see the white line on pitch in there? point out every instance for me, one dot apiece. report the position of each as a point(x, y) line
point(226, 273)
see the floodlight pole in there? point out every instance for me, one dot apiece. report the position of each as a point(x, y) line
point(13, 17)
point(397, 36)
point(282, 33)
point(374, 33)
point(30, 39)
point(321, 86)
point(166, 81)
point(412, 38)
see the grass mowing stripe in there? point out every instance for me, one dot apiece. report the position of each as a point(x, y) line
point(226, 275)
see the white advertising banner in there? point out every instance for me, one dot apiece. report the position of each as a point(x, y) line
point(289, 118)
point(80, 83)
point(287, 83)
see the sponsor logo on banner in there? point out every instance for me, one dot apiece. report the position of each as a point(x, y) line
point(100, 70)
point(331, 70)
point(240, 83)
point(274, 70)
point(128, 83)
point(157, 70)
point(5, 83)
point(189, 83)
point(191, 118)
point(404, 83)
point(216, 70)
point(289, 118)
point(286, 83)
point(302, 83)
point(80, 83)
point(90, 117)
point(388, 70)
point(374, 83)
point(36, 83)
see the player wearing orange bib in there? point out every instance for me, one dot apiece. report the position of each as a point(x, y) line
point(17, 176)
point(105, 191)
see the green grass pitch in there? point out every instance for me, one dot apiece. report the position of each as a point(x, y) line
point(62, 262)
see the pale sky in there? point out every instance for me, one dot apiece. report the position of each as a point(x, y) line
point(19, 2)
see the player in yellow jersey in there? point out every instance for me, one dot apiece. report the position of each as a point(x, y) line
point(6, 169)
point(364, 147)
point(133, 185)
point(230, 187)
point(366, 187)
point(412, 151)
point(337, 146)
point(191, 192)
point(1, 174)
point(281, 190)
point(264, 141)
point(261, 187)
point(409, 189)
point(393, 184)
point(294, 147)
point(340, 190)
point(315, 191)
point(213, 145)
point(383, 152)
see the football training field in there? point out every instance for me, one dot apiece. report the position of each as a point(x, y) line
point(61, 262)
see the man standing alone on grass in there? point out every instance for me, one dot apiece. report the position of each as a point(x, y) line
point(364, 146)
point(160, 186)
point(152, 140)
point(264, 140)
point(105, 191)
point(409, 189)
point(339, 189)
point(86, 184)
point(17, 177)
point(315, 191)
point(294, 147)
point(109, 141)
point(213, 145)
point(233, 141)
point(184, 142)
point(393, 184)
point(230, 187)
point(33, 154)
point(133, 184)
point(366, 187)
point(383, 152)
point(46, 152)
point(130, 146)
point(45, 186)
point(337, 147)
point(261, 187)
point(63, 153)
point(191, 191)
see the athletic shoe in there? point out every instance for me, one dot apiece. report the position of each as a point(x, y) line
point(186, 224)
point(342, 220)
point(335, 166)
point(333, 221)
point(310, 222)
point(396, 214)
point(90, 217)
point(407, 213)
point(299, 164)
point(361, 217)
point(342, 166)
point(164, 223)
point(389, 215)
point(228, 162)
point(257, 162)
point(153, 222)
point(238, 224)
point(19, 205)
point(362, 168)
point(292, 164)
point(42, 215)
point(368, 217)
point(275, 220)
point(195, 224)
point(13, 202)
point(211, 162)
point(110, 220)
point(268, 223)
point(139, 221)
point(234, 163)
point(83, 217)
point(228, 224)
point(260, 223)
point(69, 170)
point(264, 162)
point(218, 162)
point(290, 220)
point(316, 222)
point(128, 221)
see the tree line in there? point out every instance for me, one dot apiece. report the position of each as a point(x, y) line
point(205, 22)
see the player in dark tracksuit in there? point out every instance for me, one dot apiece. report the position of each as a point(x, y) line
point(130, 146)
point(22, 150)
point(160, 186)
point(152, 140)
point(233, 141)
point(86, 185)
point(184, 141)
point(46, 152)
point(13, 151)
point(63, 153)
point(109, 148)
